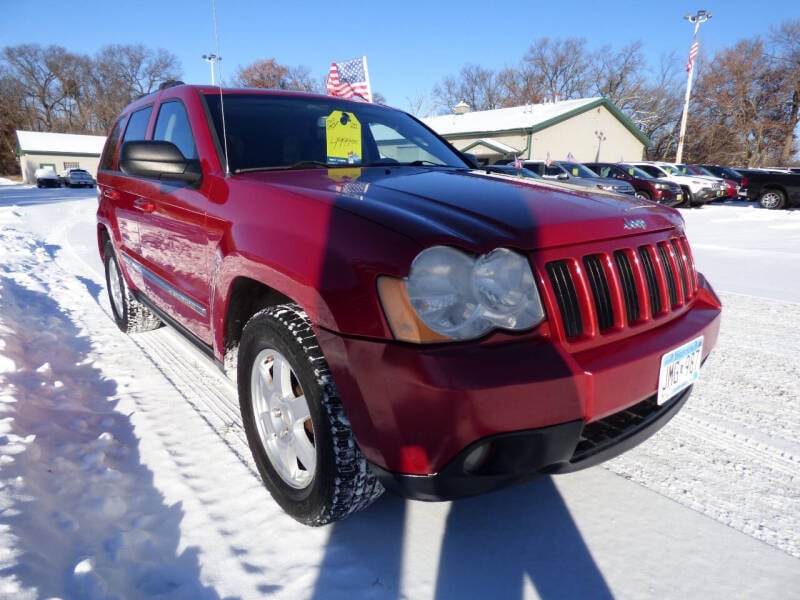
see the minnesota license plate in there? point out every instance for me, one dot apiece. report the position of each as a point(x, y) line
point(680, 368)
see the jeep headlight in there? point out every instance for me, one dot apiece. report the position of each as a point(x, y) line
point(459, 296)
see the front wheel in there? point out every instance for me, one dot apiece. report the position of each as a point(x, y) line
point(772, 199)
point(295, 423)
point(130, 315)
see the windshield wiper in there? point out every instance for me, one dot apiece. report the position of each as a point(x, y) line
point(310, 164)
point(302, 164)
point(388, 162)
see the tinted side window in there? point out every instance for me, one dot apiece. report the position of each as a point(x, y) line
point(172, 125)
point(137, 124)
point(110, 149)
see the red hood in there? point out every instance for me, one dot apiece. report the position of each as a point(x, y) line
point(484, 211)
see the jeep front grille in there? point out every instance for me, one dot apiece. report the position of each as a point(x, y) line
point(604, 292)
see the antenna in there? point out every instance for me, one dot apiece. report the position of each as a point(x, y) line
point(218, 59)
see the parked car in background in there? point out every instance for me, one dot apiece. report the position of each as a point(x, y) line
point(730, 186)
point(698, 190)
point(662, 191)
point(732, 174)
point(576, 174)
point(46, 177)
point(773, 189)
point(77, 178)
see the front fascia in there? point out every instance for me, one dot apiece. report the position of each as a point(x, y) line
point(414, 408)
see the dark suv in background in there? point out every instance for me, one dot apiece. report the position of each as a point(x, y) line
point(662, 191)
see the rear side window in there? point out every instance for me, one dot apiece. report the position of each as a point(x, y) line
point(112, 143)
point(137, 125)
point(173, 126)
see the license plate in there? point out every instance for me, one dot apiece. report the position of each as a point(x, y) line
point(680, 368)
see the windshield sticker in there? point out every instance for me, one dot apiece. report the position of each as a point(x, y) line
point(343, 136)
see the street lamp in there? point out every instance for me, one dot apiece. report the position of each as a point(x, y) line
point(211, 58)
point(701, 17)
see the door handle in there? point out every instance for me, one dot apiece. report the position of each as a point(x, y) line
point(144, 205)
point(111, 194)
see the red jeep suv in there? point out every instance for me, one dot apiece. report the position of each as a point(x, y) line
point(393, 317)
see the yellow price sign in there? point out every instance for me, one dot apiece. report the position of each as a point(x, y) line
point(343, 138)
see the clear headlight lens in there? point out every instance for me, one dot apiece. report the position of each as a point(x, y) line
point(461, 296)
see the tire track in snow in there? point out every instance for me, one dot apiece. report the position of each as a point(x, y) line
point(733, 452)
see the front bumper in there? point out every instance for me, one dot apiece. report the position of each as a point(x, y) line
point(507, 459)
point(422, 415)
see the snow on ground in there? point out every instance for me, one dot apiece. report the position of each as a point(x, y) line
point(124, 472)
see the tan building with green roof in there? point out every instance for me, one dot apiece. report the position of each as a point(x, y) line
point(589, 129)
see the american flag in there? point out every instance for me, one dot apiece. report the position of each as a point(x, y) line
point(517, 162)
point(349, 79)
point(692, 56)
point(570, 157)
point(548, 161)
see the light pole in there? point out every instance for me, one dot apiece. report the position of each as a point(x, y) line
point(211, 58)
point(701, 17)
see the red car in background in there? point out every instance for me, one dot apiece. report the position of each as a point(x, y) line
point(659, 190)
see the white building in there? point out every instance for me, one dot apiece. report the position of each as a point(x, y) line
point(58, 150)
point(589, 129)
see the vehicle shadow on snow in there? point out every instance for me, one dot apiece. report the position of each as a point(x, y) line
point(494, 546)
point(81, 515)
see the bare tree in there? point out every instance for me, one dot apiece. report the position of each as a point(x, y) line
point(657, 111)
point(37, 69)
point(739, 108)
point(558, 69)
point(13, 116)
point(121, 73)
point(269, 73)
point(786, 39)
point(620, 76)
point(480, 88)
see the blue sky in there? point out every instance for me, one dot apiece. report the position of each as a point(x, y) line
point(410, 46)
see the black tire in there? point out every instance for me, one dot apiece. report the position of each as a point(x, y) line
point(644, 195)
point(772, 199)
point(300, 418)
point(130, 315)
point(687, 198)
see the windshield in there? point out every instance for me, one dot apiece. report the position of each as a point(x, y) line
point(267, 132)
point(702, 171)
point(637, 172)
point(671, 170)
point(577, 169)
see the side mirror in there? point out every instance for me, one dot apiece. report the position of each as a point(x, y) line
point(562, 176)
point(158, 160)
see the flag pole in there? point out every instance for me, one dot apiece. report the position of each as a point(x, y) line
point(701, 17)
point(366, 77)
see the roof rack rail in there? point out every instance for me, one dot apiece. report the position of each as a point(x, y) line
point(170, 83)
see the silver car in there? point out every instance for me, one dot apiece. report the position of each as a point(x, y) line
point(77, 178)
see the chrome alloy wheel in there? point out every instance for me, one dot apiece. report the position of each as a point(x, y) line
point(282, 418)
point(772, 199)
